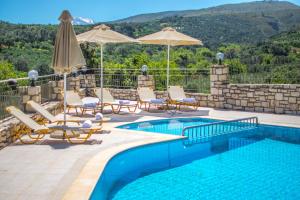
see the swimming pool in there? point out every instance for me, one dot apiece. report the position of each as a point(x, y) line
point(261, 163)
point(167, 126)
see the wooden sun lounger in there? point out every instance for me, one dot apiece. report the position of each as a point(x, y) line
point(37, 131)
point(74, 101)
point(147, 98)
point(110, 101)
point(177, 97)
point(53, 119)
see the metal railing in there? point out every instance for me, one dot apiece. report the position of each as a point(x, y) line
point(12, 94)
point(191, 80)
point(205, 131)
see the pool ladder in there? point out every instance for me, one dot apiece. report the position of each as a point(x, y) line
point(205, 131)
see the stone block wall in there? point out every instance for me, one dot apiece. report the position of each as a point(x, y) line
point(57, 88)
point(206, 100)
point(87, 81)
point(128, 94)
point(281, 99)
point(28, 93)
point(73, 83)
point(218, 84)
point(146, 81)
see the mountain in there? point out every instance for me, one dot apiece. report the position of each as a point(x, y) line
point(251, 7)
point(82, 21)
point(233, 23)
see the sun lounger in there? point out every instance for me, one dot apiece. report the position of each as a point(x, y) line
point(37, 131)
point(53, 119)
point(74, 101)
point(148, 99)
point(177, 97)
point(116, 105)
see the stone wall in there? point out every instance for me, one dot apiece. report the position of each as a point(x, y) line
point(57, 88)
point(128, 94)
point(87, 81)
point(218, 84)
point(270, 98)
point(281, 99)
point(146, 81)
point(28, 93)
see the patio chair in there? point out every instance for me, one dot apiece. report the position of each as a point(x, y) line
point(116, 105)
point(148, 98)
point(47, 116)
point(74, 101)
point(37, 131)
point(178, 98)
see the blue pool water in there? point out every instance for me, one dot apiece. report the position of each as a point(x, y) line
point(261, 163)
point(167, 126)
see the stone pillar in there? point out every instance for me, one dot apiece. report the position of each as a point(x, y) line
point(87, 84)
point(57, 88)
point(219, 81)
point(146, 81)
point(73, 83)
point(30, 93)
point(87, 81)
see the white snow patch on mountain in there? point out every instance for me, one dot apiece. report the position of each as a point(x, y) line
point(82, 21)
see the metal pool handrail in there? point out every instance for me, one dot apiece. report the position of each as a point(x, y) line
point(218, 128)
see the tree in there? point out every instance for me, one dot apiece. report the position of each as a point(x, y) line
point(21, 65)
point(44, 69)
point(7, 70)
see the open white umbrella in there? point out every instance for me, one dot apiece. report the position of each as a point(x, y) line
point(67, 54)
point(170, 37)
point(102, 35)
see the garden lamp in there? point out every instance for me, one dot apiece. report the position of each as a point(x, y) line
point(220, 57)
point(33, 76)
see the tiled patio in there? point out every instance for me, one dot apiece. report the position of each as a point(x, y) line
point(46, 170)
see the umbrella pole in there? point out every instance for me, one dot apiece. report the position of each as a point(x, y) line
point(65, 103)
point(65, 98)
point(101, 78)
point(168, 66)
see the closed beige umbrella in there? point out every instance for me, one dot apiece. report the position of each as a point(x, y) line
point(170, 37)
point(67, 55)
point(102, 35)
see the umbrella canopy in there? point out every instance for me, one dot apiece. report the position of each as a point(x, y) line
point(102, 34)
point(67, 53)
point(170, 37)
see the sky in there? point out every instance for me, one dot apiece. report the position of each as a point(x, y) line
point(47, 11)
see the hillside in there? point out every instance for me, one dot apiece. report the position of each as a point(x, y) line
point(236, 23)
point(251, 7)
point(252, 42)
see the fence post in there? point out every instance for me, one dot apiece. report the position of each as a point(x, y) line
point(219, 81)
